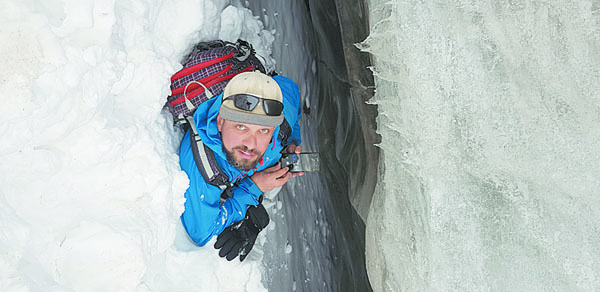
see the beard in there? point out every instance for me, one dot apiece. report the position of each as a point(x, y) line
point(241, 163)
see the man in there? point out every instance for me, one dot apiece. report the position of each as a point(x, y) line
point(242, 127)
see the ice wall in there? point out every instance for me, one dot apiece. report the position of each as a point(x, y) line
point(346, 135)
point(489, 113)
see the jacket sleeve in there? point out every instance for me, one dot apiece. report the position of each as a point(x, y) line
point(203, 216)
point(292, 109)
point(295, 138)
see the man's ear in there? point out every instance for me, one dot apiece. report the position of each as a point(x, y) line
point(220, 122)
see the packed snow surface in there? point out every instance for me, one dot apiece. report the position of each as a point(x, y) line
point(90, 185)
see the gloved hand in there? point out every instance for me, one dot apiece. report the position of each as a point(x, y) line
point(239, 238)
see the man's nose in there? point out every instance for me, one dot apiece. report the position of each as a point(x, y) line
point(250, 141)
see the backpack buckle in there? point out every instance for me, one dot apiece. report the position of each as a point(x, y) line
point(244, 50)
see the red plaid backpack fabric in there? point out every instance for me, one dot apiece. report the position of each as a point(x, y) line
point(206, 71)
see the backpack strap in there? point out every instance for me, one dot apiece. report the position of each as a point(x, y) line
point(285, 131)
point(207, 164)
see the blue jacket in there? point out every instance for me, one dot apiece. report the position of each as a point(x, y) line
point(204, 217)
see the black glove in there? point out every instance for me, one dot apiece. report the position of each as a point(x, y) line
point(239, 238)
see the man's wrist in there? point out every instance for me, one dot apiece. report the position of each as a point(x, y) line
point(251, 187)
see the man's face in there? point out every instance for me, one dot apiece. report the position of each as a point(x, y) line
point(244, 144)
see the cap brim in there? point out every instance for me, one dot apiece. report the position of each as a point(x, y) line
point(245, 117)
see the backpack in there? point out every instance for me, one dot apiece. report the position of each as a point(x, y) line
point(205, 73)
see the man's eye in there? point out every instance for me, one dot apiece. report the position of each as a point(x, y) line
point(240, 127)
point(264, 131)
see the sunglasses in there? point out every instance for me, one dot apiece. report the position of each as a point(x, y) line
point(249, 102)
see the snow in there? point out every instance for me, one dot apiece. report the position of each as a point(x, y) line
point(90, 185)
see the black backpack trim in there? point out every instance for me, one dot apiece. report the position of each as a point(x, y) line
point(285, 131)
point(207, 164)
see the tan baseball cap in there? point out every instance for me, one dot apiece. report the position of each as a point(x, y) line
point(256, 84)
